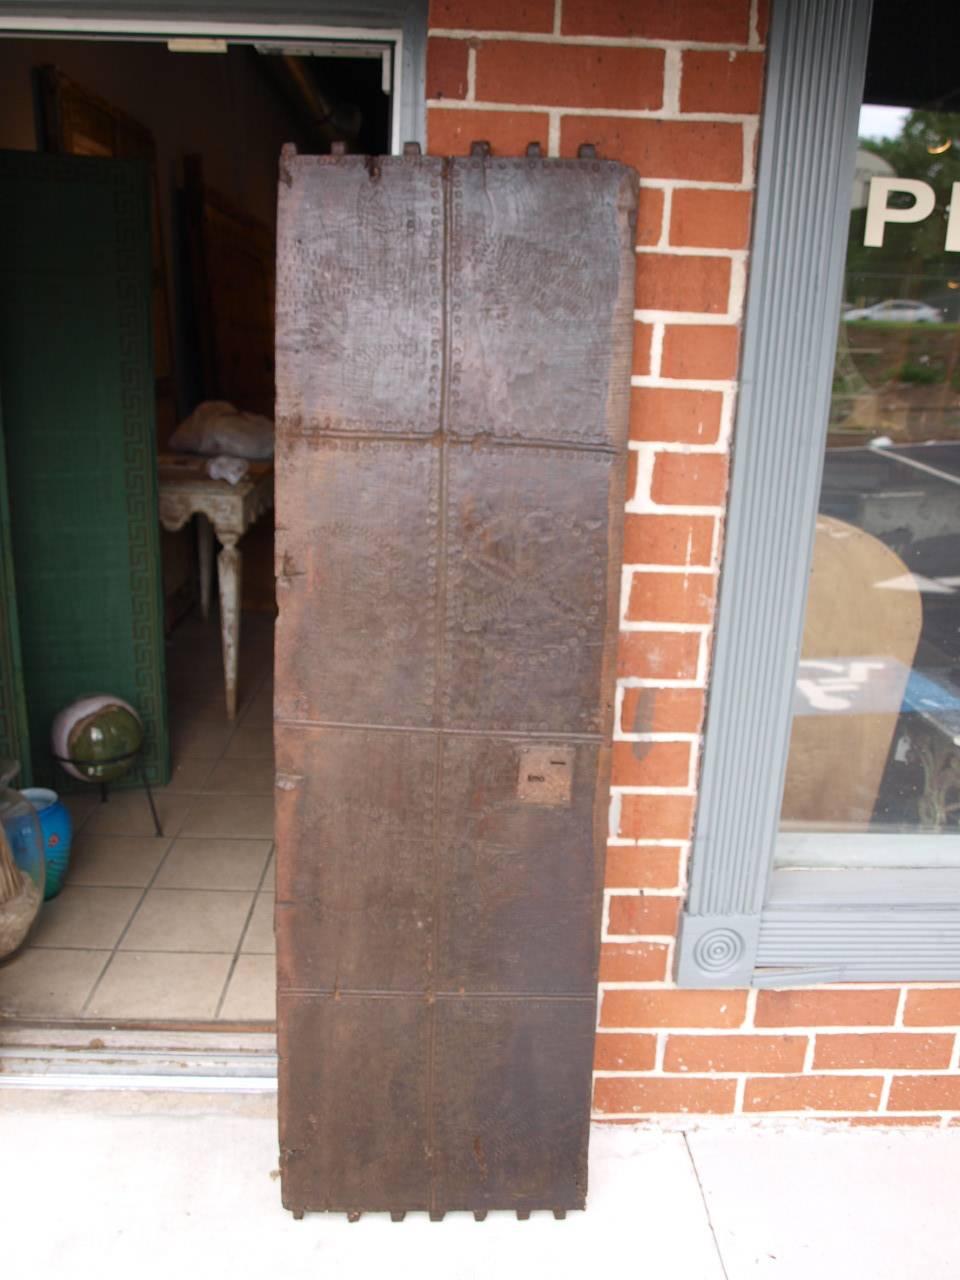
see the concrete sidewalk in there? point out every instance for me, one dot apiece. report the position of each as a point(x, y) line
point(144, 1185)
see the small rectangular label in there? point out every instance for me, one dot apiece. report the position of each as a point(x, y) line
point(546, 775)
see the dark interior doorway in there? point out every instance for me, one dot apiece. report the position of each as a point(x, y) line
point(178, 930)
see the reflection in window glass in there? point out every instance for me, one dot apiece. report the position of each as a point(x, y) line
point(875, 744)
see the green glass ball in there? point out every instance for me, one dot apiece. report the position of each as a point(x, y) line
point(97, 738)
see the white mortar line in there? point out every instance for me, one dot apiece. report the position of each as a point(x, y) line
point(558, 12)
point(632, 1031)
point(901, 1004)
point(666, 213)
point(626, 582)
point(681, 384)
point(669, 892)
point(809, 1054)
point(716, 554)
point(750, 1008)
point(605, 917)
point(611, 112)
point(738, 285)
point(618, 695)
point(621, 42)
point(660, 1050)
point(671, 80)
point(627, 790)
point(659, 737)
point(644, 842)
point(471, 74)
point(693, 251)
point(692, 776)
point(553, 134)
point(703, 660)
point(727, 415)
point(885, 1092)
point(683, 570)
point(884, 1074)
point(615, 814)
point(656, 351)
point(681, 446)
point(667, 628)
point(644, 682)
point(478, 104)
point(637, 939)
point(751, 126)
point(753, 40)
point(652, 316)
point(694, 184)
point(646, 457)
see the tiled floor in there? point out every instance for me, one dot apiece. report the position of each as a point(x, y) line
point(179, 927)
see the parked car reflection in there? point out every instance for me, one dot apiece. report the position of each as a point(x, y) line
point(897, 311)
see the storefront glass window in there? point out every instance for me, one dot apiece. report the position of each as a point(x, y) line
point(874, 769)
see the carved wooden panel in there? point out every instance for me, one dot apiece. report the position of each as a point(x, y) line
point(453, 356)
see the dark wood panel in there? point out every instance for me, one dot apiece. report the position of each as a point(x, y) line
point(517, 877)
point(360, 296)
point(357, 536)
point(355, 907)
point(448, 582)
point(524, 242)
point(528, 588)
point(511, 1108)
point(354, 1140)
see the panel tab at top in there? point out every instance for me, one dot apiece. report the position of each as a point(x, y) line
point(360, 295)
point(541, 301)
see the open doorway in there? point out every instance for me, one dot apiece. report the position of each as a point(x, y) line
point(176, 929)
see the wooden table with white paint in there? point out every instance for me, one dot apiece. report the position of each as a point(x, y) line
point(226, 511)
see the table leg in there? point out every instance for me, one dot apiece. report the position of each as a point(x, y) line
point(205, 550)
point(229, 571)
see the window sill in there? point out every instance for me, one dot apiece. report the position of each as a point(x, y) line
point(866, 850)
point(860, 926)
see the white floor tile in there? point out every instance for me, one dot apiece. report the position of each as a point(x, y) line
point(252, 993)
point(129, 861)
point(93, 918)
point(47, 983)
point(188, 920)
point(214, 864)
point(160, 986)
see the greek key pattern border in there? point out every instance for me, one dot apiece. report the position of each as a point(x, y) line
point(138, 436)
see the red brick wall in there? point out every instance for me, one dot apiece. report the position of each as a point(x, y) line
point(673, 87)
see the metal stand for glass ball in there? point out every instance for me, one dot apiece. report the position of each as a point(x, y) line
point(128, 757)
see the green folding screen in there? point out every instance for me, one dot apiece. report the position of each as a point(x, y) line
point(76, 390)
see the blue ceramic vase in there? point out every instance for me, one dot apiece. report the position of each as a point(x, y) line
point(57, 836)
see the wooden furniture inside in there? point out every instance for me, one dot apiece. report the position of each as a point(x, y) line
point(226, 511)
